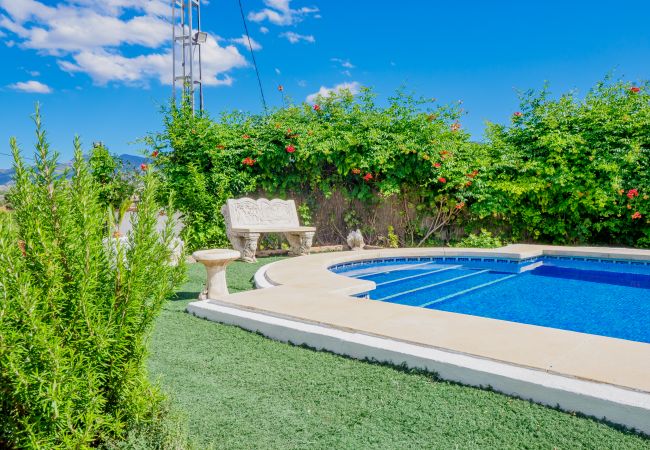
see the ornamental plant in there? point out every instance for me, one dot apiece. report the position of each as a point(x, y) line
point(74, 319)
point(573, 170)
point(343, 144)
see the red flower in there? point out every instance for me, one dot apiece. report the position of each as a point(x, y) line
point(248, 161)
point(518, 114)
point(316, 107)
point(437, 165)
point(636, 215)
point(473, 174)
point(468, 184)
point(143, 167)
point(632, 193)
point(154, 153)
point(246, 136)
point(460, 205)
point(280, 88)
point(635, 90)
point(291, 149)
point(367, 177)
point(442, 179)
point(356, 171)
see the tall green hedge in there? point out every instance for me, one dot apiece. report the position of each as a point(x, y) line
point(574, 170)
point(564, 170)
point(409, 149)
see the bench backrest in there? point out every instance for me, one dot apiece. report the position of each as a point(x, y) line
point(246, 212)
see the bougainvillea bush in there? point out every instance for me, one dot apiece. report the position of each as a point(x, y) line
point(573, 170)
point(410, 151)
point(74, 316)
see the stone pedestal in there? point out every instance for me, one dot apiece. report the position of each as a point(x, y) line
point(215, 262)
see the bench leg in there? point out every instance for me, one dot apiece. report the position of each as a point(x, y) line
point(300, 243)
point(249, 247)
point(246, 244)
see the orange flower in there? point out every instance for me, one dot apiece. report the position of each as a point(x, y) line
point(356, 171)
point(367, 177)
point(248, 161)
point(246, 136)
point(636, 215)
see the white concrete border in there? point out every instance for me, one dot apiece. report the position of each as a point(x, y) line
point(261, 281)
point(615, 404)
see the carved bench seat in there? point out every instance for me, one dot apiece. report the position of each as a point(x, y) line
point(246, 219)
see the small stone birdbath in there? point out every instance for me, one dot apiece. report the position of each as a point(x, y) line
point(215, 262)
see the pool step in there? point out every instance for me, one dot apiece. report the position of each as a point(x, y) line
point(418, 275)
point(429, 286)
point(465, 291)
point(390, 269)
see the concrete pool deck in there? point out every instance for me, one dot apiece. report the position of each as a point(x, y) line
point(596, 375)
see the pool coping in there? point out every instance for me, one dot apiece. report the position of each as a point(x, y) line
point(306, 293)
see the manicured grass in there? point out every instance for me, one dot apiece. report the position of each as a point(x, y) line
point(241, 390)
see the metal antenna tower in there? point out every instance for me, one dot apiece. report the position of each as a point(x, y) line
point(187, 38)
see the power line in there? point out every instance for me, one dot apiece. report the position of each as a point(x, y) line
point(250, 47)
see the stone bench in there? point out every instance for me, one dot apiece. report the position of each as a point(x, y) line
point(246, 219)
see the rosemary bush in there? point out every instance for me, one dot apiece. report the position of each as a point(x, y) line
point(74, 321)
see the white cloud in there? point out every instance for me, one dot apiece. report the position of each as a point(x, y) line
point(264, 30)
point(347, 73)
point(302, 83)
point(243, 40)
point(34, 73)
point(104, 66)
point(32, 86)
point(279, 12)
point(123, 41)
point(343, 62)
point(277, 71)
point(354, 87)
point(295, 37)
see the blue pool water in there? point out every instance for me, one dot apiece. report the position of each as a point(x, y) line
point(596, 296)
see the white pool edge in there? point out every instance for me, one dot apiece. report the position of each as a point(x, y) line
point(604, 401)
point(261, 281)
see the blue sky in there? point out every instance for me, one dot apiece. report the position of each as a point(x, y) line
point(100, 68)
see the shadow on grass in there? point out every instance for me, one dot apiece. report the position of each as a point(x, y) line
point(184, 295)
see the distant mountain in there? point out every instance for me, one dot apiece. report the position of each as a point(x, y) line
point(130, 162)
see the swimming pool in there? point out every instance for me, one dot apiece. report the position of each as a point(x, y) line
point(589, 295)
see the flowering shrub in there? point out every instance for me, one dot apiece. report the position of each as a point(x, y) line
point(574, 170)
point(565, 170)
point(410, 150)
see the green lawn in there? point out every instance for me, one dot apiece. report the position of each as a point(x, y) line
point(241, 390)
